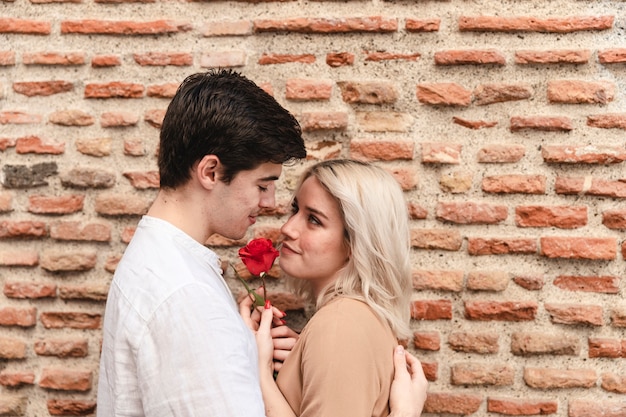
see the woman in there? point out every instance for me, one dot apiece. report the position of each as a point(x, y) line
point(346, 245)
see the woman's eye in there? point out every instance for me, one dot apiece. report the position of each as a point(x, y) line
point(314, 220)
point(294, 208)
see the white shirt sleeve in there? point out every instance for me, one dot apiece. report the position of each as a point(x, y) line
point(197, 358)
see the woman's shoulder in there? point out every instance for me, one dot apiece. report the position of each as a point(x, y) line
point(346, 313)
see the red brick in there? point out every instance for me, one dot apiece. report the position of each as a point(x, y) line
point(67, 260)
point(561, 56)
point(114, 89)
point(443, 94)
point(272, 59)
point(314, 121)
point(65, 379)
point(612, 56)
point(377, 56)
point(563, 217)
point(487, 280)
point(134, 146)
point(406, 177)
point(18, 118)
point(441, 153)
point(427, 341)
point(22, 229)
point(29, 290)
point(422, 25)
point(519, 407)
point(42, 88)
point(368, 150)
point(586, 154)
point(501, 246)
point(120, 204)
point(471, 213)
point(66, 204)
point(598, 284)
point(580, 92)
point(20, 317)
point(534, 24)
point(452, 403)
point(614, 383)
point(71, 320)
point(570, 247)
point(162, 90)
point(25, 26)
point(492, 154)
point(71, 118)
point(19, 258)
point(602, 347)
point(12, 348)
point(384, 121)
point(430, 370)
point(374, 92)
point(542, 123)
point(103, 61)
point(143, 180)
point(539, 343)
point(376, 24)
point(62, 348)
point(500, 92)
point(161, 59)
point(530, 282)
point(53, 58)
point(473, 124)
point(323, 149)
point(416, 211)
point(543, 378)
point(298, 89)
point(98, 147)
point(78, 231)
point(501, 310)
point(474, 342)
point(438, 280)
point(431, 310)
point(475, 373)
point(37, 145)
point(7, 58)
point(618, 316)
point(442, 239)
point(111, 27)
point(71, 407)
point(87, 177)
point(16, 379)
point(607, 121)
point(470, 56)
point(600, 408)
point(575, 314)
point(154, 117)
point(510, 184)
point(339, 59)
point(91, 292)
point(590, 186)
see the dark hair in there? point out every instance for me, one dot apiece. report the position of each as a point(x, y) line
point(223, 113)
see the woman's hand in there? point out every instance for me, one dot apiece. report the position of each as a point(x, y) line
point(265, 344)
point(251, 315)
point(408, 389)
point(284, 340)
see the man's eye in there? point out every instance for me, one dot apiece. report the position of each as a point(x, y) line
point(263, 189)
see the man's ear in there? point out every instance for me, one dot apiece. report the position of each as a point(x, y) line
point(207, 171)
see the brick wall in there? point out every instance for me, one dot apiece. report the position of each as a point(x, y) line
point(503, 120)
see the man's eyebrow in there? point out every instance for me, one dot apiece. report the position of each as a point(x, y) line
point(269, 178)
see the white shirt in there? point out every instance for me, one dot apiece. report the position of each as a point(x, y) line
point(174, 343)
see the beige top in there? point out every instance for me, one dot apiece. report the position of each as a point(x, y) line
point(342, 365)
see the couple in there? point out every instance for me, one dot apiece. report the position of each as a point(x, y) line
point(174, 343)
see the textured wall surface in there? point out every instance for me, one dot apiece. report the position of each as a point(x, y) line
point(503, 120)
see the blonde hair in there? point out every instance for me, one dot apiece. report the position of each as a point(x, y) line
point(377, 234)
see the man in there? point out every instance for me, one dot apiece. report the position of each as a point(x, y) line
point(174, 343)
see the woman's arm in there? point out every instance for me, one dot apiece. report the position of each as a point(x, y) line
point(275, 403)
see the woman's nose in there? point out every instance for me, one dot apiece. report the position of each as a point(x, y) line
point(288, 229)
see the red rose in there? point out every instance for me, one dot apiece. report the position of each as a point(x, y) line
point(258, 256)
